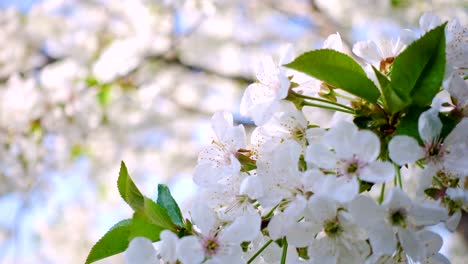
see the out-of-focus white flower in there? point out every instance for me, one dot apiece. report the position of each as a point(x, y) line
point(20, 103)
point(121, 57)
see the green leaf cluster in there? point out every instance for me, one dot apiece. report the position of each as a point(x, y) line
point(415, 77)
point(149, 218)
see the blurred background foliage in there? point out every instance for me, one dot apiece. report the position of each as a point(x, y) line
point(85, 84)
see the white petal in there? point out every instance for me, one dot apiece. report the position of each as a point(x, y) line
point(252, 187)
point(205, 175)
point(320, 155)
point(324, 251)
point(221, 122)
point(287, 54)
point(404, 150)
point(426, 215)
point(429, 21)
point(439, 259)
point(411, 244)
point(296, 208)
point(457, 145)
point(279, 225)
point(458, 88)
point(432, 241)
point(258, 102)
point(429, 126)
point(333, 42)
point(365, 211)
point(366, 145)
point(382, 239)
point(168, 246)
point(341, 139)
point(141, 250)
point(267, 71)
point(300, 234)
point(367, 50)
point(244, 228)
point(190, 250)
point(321, 208)
point(397, 199)
point(453, 221)
point(203, 217)
point(377, 172)
point(340, 189)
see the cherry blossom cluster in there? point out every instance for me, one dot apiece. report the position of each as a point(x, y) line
point(291, 191)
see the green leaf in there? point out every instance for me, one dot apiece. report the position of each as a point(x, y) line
point(157, 215)
point(449, 122)
point(393, 102)
point(117, 239)
point(104, 95)
point(337, 69)
point(113, 242)
point(419, 70)
point(166, 200)
point(128, 189)
point(142, 228)
point(408, 124)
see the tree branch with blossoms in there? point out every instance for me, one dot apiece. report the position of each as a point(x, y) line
point(296, 192)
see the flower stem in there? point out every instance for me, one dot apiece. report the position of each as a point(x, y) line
point(328, 107)
point(259, 251)
point(398, 175)
point(382, 193)
point(323, 101)
point(343, 96)
point(285, 251)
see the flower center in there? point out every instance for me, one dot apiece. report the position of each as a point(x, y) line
point(298, 134)
point(385, 64)
point(352, 168)
point(398, 217)
point(434, 151)
point(211, 246)
point(332, 227)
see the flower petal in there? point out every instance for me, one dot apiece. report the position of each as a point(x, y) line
point(377, 172)
point(432, 241)
point(190, 250)
point(244, 228)
point(426, 215)
point(252, 187)
point(300, 234)
point(320, 155)
point(366, 211)
point(367, 50)
point(141, 250)
point(453, 221)
point(203, 217)
point(366, 145)
point(412, 245)
point(168, 246)
point(382, 239)
point(333, 42)
point(321, 208)
point(404, 150)
point(429, 126)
